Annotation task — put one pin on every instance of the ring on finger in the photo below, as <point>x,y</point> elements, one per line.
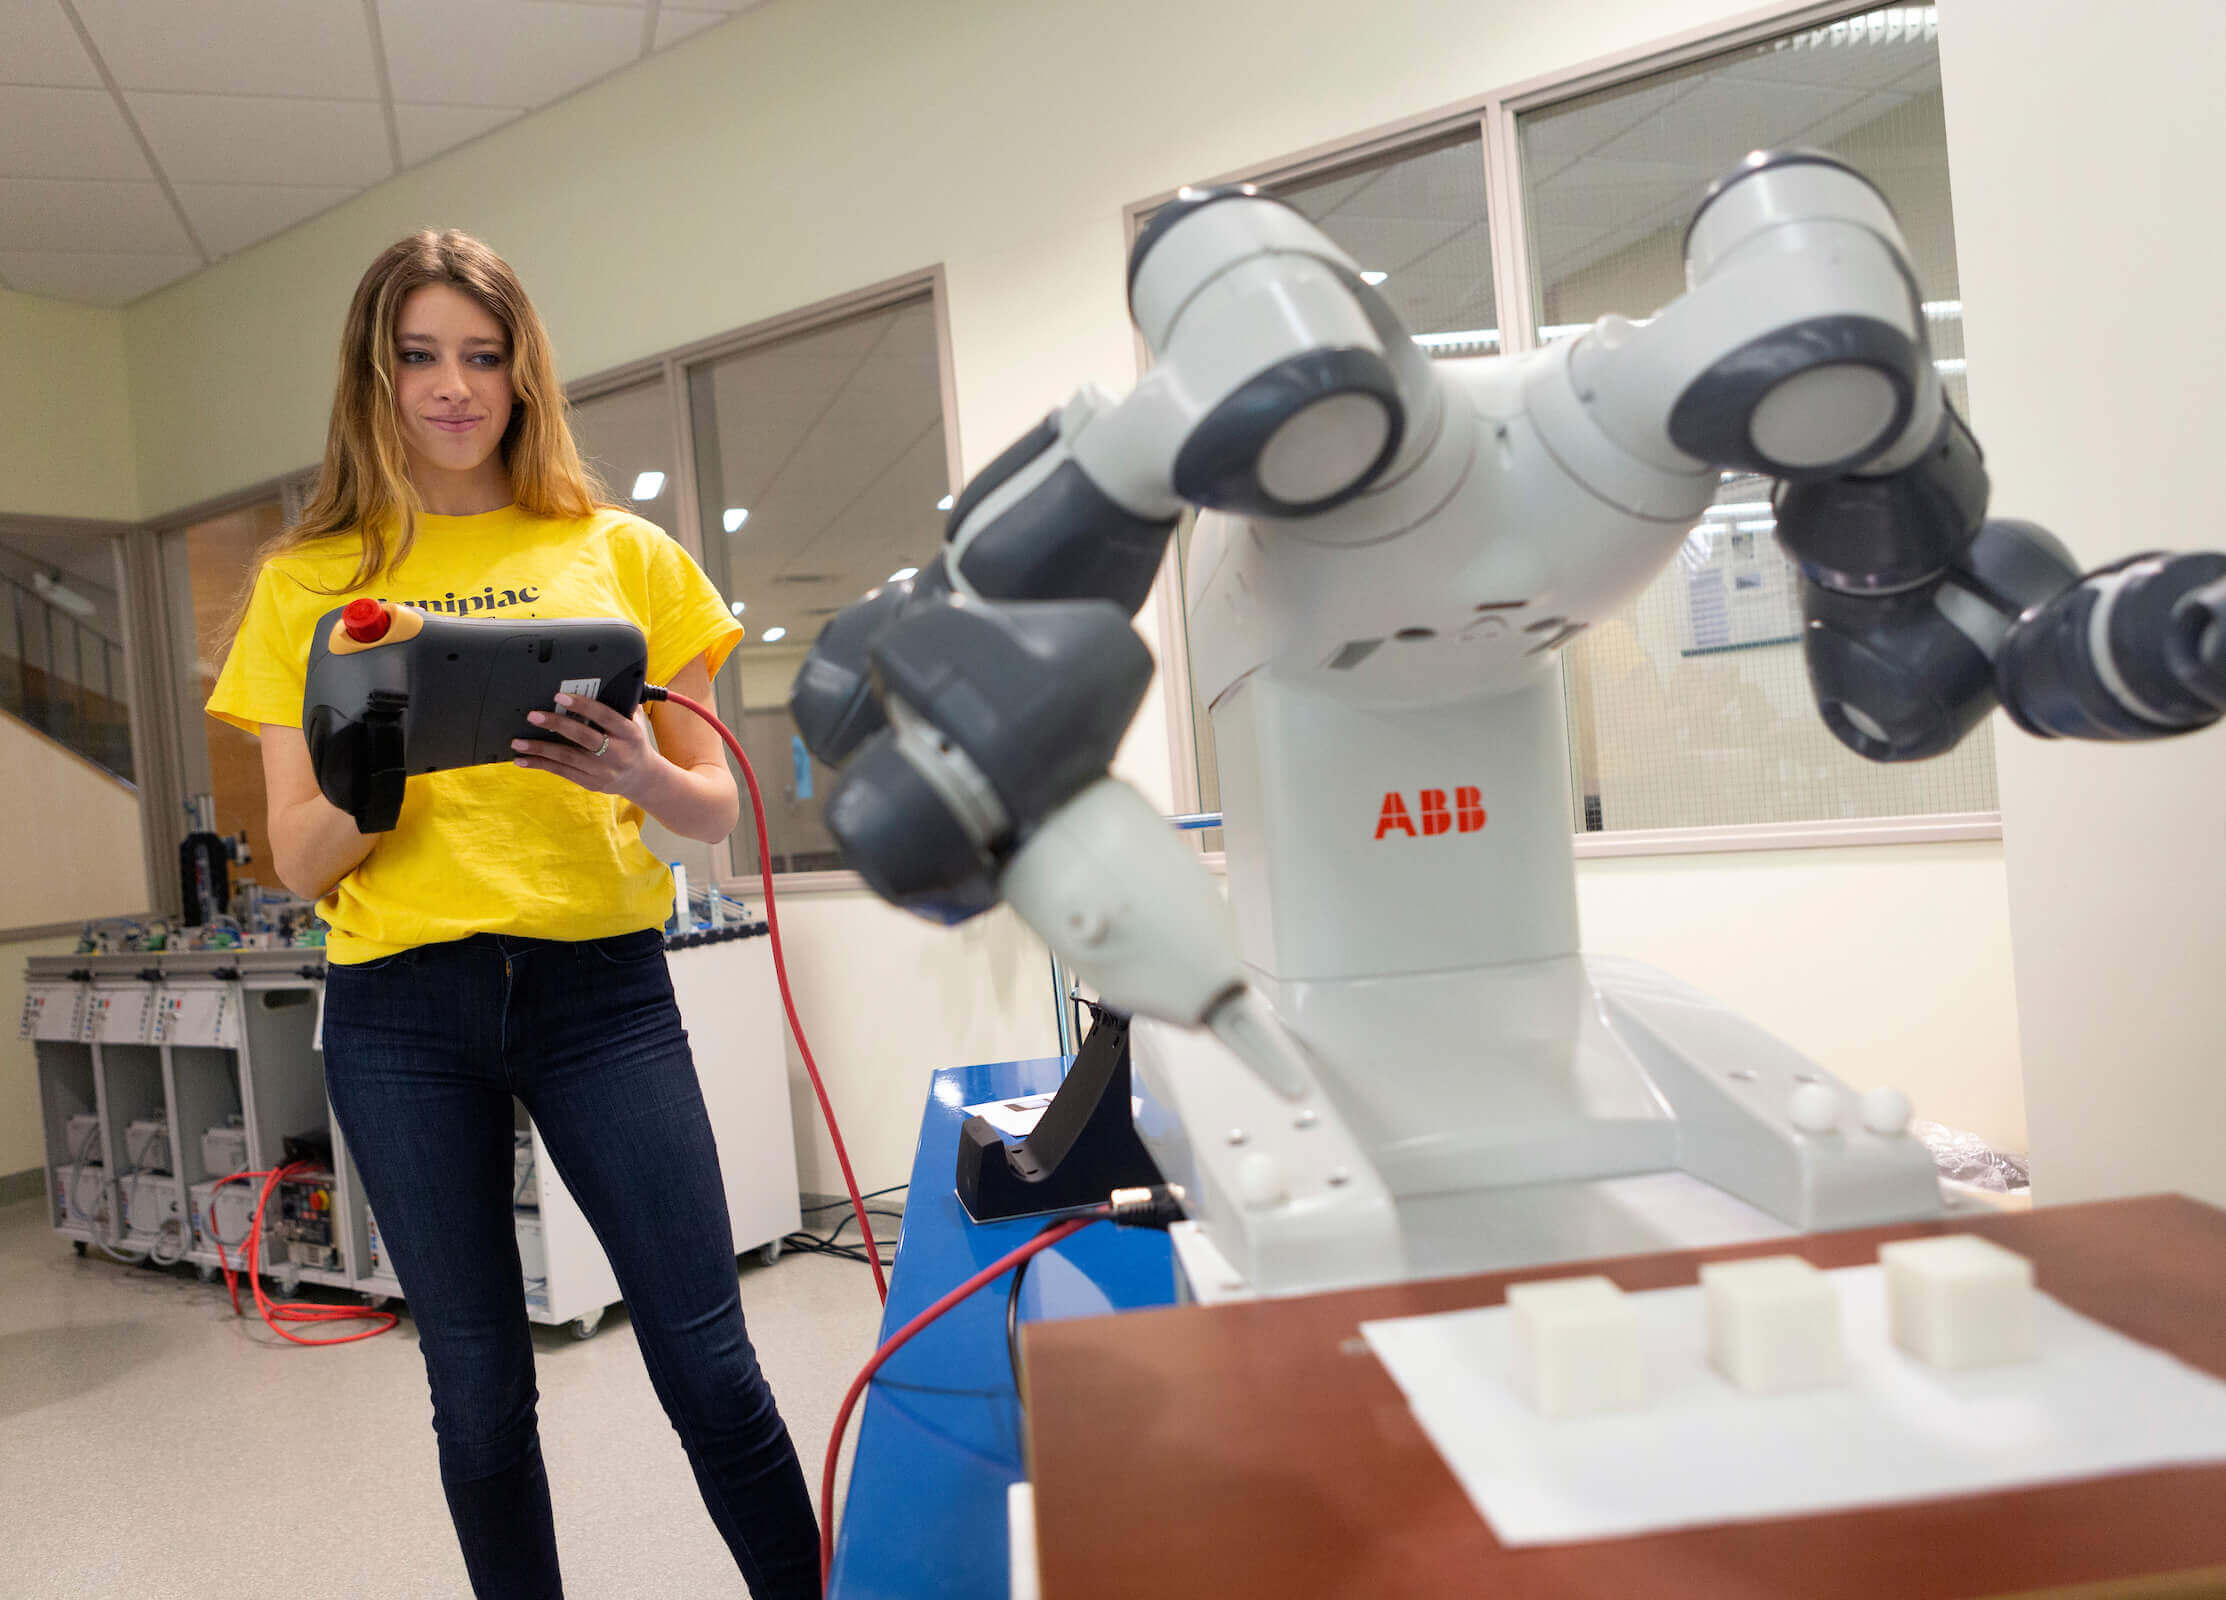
<point>605,745</point>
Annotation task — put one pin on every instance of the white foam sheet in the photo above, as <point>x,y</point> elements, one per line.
<point>1701,1451</point>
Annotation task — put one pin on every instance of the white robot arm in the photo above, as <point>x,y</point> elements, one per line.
<point>979,704</point>
<point>1800,353</point>
<point>1402,549</point>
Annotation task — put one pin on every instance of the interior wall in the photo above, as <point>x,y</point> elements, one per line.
<point>810,148</point>
<point>69,841</point>
<point>1888,965</point>
<point>836,162</point>
<point>2084,150</point>
<point>65,416</point>
<point>888,1000</point>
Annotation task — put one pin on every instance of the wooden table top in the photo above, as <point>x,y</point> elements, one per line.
<point>1260,1449</point>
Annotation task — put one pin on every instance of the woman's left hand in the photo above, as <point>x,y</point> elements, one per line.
<point>605,752</point>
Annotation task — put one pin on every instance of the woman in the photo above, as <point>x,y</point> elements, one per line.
<point>503,938</point>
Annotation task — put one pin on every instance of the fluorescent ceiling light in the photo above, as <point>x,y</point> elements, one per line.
<point>1742,508</point>
<point>1373,277</point>
<point>1763,525</point>
<point>738,608</point>
<point>735,517</point>
<point>55,593</point>
<point>943,504</point>
<point>1463,338</point>
<point>774,635</point>
<point>649,486</point>
<point>903,573</point>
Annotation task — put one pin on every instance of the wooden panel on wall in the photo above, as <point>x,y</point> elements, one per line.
<point>220,553</point>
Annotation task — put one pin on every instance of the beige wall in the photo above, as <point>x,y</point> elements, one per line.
<point>2086,155</point>
<point>65,421</point>
<point>69,839</point>
<point>22,1139</point>
<point>783,158</point>
<point>887,1000</point>
<point>817,145</point>
<point>1887,964</point>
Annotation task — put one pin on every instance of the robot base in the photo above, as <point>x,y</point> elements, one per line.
<point>1543,1111</point>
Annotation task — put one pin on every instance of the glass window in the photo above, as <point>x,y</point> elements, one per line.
<point>822,470</point>
<point>1693,707</point>
<point>1419,218</point>
<point>626,438</point>
<point>61,643</point>
<point>629,439</point>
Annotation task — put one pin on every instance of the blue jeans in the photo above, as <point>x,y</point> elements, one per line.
<point>423,1051</point>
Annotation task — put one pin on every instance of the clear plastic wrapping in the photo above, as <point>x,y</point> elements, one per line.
<point>1967,1158</point>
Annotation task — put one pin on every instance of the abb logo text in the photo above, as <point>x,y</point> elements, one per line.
<point>1464,815</point>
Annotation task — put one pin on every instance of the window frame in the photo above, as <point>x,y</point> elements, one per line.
<point>672,367</point>
<point>1495,114</point>
<point>160,699</point>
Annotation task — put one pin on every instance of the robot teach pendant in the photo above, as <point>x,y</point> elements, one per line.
<point>393,693</point>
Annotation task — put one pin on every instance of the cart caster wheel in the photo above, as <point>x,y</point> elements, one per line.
<point>207,1272</point>
<point>769,1252</point>
<point>78,1245</point>
<point>374,1302</point>
<point>584,1327</point>
<point>289,1282</point>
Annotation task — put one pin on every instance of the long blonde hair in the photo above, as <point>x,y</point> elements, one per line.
<point>364,488</point>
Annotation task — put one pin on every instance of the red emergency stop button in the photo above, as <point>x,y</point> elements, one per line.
<point>366,620</point>
<point>320,1201</point>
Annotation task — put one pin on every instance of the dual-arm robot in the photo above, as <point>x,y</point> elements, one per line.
<point>1401,1061</point>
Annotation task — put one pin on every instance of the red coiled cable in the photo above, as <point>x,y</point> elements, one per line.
<point>277,1313</point>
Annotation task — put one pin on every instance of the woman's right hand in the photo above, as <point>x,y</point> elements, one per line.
<point>314,844</point>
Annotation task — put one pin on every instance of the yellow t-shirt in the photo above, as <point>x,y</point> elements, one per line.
<point>493,849</point>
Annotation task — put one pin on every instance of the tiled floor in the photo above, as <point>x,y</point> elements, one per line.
<point>152,1444</point>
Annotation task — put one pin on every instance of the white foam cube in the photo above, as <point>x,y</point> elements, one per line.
<point>1773,1323</point>
<point>1959,1301</point>
<point>1576,1346</point>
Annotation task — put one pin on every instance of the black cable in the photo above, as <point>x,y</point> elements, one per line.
<point>830,1205</point>
<point>1012,1314</point>
<point>813,1245</point>
<point>1012,1329</point>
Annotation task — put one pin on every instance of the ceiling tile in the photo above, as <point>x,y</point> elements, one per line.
<point>1722,119</point>
<point>1864,65</point>
<point>503,52</point>
<point>38,45</point>
<point>231,216</point>
<point>99,280</point>
<point>1554,138</point>
<point>258,47</point>
<point>428,130</point>
<point>38,214</point>
<point>66,133</point>
<point>675,24</point>
<point>207,138</point>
